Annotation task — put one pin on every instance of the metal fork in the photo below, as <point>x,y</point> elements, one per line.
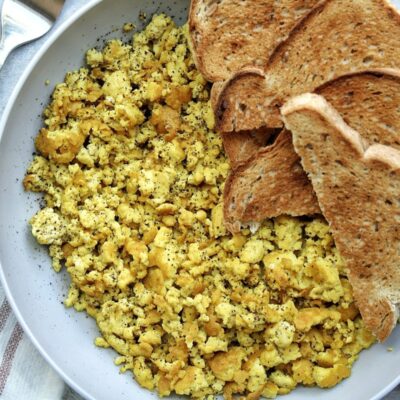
<point>25,20</point>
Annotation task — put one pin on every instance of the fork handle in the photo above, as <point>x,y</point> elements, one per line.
<point>9,41</point>
<point>6,47</point>
<point>11,35</point>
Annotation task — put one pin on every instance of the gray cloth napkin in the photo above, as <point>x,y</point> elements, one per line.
<point>24,374</point>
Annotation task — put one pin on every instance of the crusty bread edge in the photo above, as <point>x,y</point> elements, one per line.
<point>385,154</point>
<point>316,103</point>
<point>192,45</point>
<point>391,73</point>
<point>219,98</point>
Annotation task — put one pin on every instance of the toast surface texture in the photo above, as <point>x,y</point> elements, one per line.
<point>337,37</point>
<point>240,146</point>
<point>268,185</point>
<point>227,35</point>
<point>358,187</point>
<point>368,101</point>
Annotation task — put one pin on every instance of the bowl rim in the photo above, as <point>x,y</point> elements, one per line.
<point>51,39</point>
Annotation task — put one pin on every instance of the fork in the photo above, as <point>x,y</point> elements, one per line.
<point>25,20</point>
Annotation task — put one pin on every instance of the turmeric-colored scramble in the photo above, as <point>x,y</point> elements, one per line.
<point>133,176</point>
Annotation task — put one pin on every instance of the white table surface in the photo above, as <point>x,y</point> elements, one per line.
<point>15,65</point>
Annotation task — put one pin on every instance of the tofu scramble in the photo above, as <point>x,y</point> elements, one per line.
<point>132,175</point>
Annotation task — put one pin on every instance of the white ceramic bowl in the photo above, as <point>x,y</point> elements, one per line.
<point>35,291</point>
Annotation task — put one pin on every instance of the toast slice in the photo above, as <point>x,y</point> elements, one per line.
<point>366,100</point>
<point>227,35</point>
<point>240,146</point>
<point>335,38</point>
<point>358,188</point>
<point>271,184</point>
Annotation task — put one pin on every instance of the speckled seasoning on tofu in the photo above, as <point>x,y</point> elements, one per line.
<point>132,174</point>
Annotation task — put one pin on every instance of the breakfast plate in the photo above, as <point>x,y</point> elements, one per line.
<point>36,293</point>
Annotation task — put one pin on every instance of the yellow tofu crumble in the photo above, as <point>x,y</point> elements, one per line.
<point>133,174</point>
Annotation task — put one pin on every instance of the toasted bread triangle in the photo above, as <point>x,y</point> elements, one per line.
<point>335,38</point>
<point>358,189</point>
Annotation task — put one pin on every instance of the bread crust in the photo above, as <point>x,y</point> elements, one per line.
<point>357,182</point>
<point>357,35</point>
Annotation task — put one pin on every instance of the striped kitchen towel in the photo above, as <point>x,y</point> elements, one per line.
<point>24,374</point>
